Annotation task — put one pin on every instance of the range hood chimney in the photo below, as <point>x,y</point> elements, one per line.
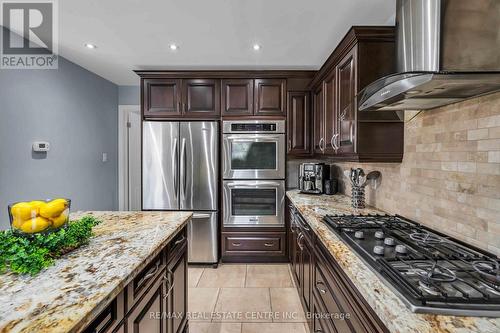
<point>447,51</point>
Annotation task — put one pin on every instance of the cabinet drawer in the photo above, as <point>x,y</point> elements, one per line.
<point>176,244</point>
<point>144,279</point>
<point>254,242</point>
<point>109,318</point>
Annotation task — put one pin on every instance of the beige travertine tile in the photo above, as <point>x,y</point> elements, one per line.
<point>268,276</point>
<point>286,303</point>
<point>224,276</point>
<point>477,134</point>
<point>201,303</point>
<point>194,274</point>
<point>273,328</point>
<point>200,327</point>
<point>243,305</point>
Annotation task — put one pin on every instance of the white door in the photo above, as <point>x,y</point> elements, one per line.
<point>129,167</point>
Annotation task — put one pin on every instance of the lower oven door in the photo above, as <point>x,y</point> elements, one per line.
<point>254,202</point>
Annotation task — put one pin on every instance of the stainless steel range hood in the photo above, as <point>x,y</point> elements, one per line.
<point>447,51</point>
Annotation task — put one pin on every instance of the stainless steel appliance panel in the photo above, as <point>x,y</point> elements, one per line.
<point>254,202</point>
<point>198,165</point>
<point>418,35</point>
<point>160,171</point>
<point>202,238</point>
<point>254,156</point>
<point>259,126</point>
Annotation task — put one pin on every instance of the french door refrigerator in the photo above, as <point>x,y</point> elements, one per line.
<point>180,172</point>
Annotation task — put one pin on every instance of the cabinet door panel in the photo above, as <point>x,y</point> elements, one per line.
<point>201,98</point>
<point>237,97</point>
<point>299,123</point>
<point>146,317</point>
<point>161,98</point>
<point>346,102</point>
<point>329,87</point>
<point>319,117</point>
<point>177,298</point>
<point>269,97</point>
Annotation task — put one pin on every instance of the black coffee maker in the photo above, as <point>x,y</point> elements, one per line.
<point>312,177</point>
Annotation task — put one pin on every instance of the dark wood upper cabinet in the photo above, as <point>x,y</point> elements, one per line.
<point>346,103</point>
<point>269,97</point>
<point>299,123</point>
<point>201,98</point>
<point>319,128</point>
<point>237,97</point>
<point>340,131</point>
<point>329,114</point>
<point>161,98</point>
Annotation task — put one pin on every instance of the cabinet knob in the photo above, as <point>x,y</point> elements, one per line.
<point>236,244</point>
<point>268,244</point>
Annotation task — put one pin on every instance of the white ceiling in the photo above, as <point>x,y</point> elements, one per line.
<point>211,34</point>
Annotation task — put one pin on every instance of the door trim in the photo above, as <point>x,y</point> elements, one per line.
<point>123,169</point>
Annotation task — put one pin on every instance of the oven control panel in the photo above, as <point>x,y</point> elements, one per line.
<point>254,126</point>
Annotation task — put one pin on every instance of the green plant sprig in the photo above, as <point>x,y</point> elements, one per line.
<point>22,255</point>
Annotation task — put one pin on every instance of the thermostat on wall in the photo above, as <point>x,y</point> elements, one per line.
<point>41,146</point>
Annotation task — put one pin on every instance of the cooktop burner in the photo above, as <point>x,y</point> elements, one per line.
<point>431,272</point>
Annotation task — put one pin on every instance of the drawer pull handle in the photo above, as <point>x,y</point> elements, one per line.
<point>180,240</point>
<point>236,244</point>
<point>152,272</point>
<point>321,290</point>
<point>269,244</point>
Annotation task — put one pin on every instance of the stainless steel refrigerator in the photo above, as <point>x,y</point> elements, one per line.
<point>180,172</point>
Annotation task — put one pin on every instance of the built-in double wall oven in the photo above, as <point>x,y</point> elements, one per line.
<point>254,172</point>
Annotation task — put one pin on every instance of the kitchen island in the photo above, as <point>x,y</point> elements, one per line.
<point>371,290</point>
<point>135,260</point>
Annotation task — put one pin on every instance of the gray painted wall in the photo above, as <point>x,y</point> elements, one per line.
<point>129,95</point>
<point>74,110</point>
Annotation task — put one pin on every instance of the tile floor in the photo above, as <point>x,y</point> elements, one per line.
<point>234,298</point>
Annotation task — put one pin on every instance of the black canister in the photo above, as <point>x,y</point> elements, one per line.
<point>331,186</point>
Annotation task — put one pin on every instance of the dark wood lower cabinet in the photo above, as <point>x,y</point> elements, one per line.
<point>155,301</point>
<point>256,245</point>
<point>327,294</point>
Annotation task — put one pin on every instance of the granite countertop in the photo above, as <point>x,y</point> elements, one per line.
<point>70,294</point>
<point>391,310</point>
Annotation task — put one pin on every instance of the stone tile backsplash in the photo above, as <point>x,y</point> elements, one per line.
<point>450,175</point>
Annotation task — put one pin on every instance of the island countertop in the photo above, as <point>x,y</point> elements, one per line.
<point>70,294</point>
<point>390,309</point>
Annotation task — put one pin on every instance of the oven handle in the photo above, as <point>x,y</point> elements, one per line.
<point>261,137</point>
<point>259,185</point>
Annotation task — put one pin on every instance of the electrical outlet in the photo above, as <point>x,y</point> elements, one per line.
<point>104,157</point>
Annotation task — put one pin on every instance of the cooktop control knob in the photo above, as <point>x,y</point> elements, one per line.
<point>359,234</point>
<point>379,234</point>
<point>389,241</point>
<point>401,249</point>
<point>378,250</point>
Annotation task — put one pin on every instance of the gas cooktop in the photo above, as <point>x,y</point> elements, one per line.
<point>430,272</point>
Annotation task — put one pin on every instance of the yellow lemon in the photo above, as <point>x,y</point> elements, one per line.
<point>17,223</point>
<point>53,208</point>
<point>59,220</point>
<point>36,205</point>
<point>60,200</point>
<point>35,225</point>
<point>22,211</point>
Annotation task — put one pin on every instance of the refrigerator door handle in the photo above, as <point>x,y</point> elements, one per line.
<point>175,159</point>
<point>183,169</point>
<point>201,216</point>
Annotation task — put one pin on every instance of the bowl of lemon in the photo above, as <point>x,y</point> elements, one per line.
<point>33,217</point>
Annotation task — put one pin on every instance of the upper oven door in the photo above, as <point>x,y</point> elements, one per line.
<point>254,202</point>
<point>254,156</point>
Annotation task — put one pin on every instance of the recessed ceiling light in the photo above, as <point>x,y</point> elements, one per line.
<point>173,47</point>
<point>90,46</point>
<point>256,47</point>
